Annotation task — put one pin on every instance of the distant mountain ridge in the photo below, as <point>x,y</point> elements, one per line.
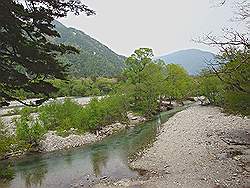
<point>193,60</point>
<point>95,59</point>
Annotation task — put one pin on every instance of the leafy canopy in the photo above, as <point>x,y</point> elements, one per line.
<point>146,80</point>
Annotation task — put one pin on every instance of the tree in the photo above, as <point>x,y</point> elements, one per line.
<point>143,84</point>
<point>211,87</point>
<point>177,84</point>
<point>151,87</point>
<point>233,62</point>
<point>242,8</point>
<point>136,64</point>
<point>28,57</point>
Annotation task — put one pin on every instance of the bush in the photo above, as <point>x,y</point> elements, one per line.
<point>59,116</point>
<point>29,131</point>
<point>27,110</point>
<point>5,141</point>
<point>103,112</point>
<point>222,93</point>
<point>237,103</point>
<point>63,116</point>
<point>5,145</point>
<point>211,87</point>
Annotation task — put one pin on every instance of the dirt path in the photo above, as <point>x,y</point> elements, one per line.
<point>198,147</point>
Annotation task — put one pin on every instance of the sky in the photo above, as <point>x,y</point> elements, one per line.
<point>163,25</point>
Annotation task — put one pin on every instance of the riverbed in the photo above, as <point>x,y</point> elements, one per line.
<point>88,165</point>
<point>198,147</point>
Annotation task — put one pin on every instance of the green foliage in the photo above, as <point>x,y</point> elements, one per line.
<point>5,140</point>
<point>95,91</point>
<point>149,89</point>
<point>26,111</point>
<point>231,91</point>
<point>5,144</point>
<point>72,87</point>
<point>235,75</point>
<point>105,85</point>
<point>29,131</point>
<point>236,72</point>
<point>178,84</point>
<point>227,84</point>
<point>103,112</point>
<point>84,87</point>
<point>76,87</point>
<point>237,102</point>
<point>63,116</point>
<point>28,55</point>
<point>211,87</point>
<point>94,59</point>
<point>143,79</point>
<point>136,64</point>
<point>147,80</point>
<point>59,115</point>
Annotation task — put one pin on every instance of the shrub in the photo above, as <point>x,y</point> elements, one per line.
<point>63,116</point>
<point>83,87</point>
<point>5,144</point>
<point>237,103</point>
<point>59,116</point>
<point>27,110</point>
<point>5,141</point>
<point>29,131</point>
<point>211,87</point>
<point>103,112</point>
<point>115,108</point>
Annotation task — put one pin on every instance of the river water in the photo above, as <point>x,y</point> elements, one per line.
<point>107,159</point>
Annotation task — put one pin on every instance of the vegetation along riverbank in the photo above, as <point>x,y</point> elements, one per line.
<point>146,88</point>
<point>74,113</point>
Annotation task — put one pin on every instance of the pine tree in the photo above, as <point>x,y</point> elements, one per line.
<point>28,56</point>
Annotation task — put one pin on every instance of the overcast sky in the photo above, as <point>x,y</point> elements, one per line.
<point>163,25</point>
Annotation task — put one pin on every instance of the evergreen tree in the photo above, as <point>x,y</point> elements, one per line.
<point>28,57</point>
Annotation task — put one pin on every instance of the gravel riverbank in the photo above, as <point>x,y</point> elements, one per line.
<point>52,141</point>
<point>198,147</point>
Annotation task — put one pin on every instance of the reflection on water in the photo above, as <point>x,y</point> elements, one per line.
<point>99,160</point>
<point>106,158</point>
<point>34,176</point>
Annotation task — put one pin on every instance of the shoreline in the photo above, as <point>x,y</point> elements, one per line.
<point>53,142</point>
<point>197,147</point>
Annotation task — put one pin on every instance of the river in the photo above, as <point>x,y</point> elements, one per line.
<point>107,159</point>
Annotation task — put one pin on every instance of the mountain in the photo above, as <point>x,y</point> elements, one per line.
<point>95,59</point>
<point>193,60</point>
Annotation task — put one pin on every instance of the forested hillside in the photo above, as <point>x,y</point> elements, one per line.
<point>95,59</point>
